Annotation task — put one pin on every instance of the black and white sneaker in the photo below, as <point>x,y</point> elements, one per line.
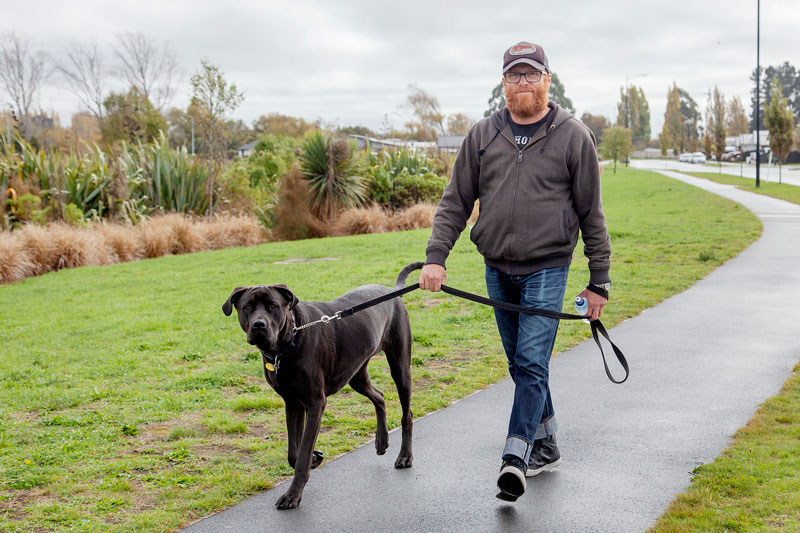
<point>544,456</point>
<point>511,480</point>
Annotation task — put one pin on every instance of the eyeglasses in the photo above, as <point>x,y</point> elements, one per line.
<point>532,76</point>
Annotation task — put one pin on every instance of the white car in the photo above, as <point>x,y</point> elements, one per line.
<point>698,157</point>
<point>685,157</point>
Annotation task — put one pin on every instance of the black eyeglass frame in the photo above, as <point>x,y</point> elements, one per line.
<point>537,74</point>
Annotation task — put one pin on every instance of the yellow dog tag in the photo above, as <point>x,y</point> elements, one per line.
<point>270,367</point>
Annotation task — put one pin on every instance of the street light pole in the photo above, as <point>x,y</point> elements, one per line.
<point>758,93</point>
<point>192,117</point>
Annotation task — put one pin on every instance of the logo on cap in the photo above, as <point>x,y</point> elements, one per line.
<point>522,48</point>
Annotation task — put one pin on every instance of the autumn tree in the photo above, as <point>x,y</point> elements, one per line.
<point>717,130</point>
<point>424,107</point>
<point>673,134</point>
<point>596,123</point>
<point>213,100</point>
<point>85,75</point>
<point>617,144</point>
<point>692,116</point>
<point>633,112</point>
<point>143,65</point>
<point>277,124</point>
<point>458,124</point>
<point>779,121</point>
<point>736,121</point>
<point>23,72</point>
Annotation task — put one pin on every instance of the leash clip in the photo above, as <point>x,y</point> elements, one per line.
<point>325,318</point>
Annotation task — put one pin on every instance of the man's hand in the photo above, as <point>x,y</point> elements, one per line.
<point>595,302</point>
<point>432,277</point>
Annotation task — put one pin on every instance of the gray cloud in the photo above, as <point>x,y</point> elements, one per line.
<point>350,62</point>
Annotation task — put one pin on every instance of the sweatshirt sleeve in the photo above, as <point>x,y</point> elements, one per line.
<point>456,204</point>
<point>587,196</point>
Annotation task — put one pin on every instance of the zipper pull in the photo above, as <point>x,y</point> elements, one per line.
<point>519,158</point>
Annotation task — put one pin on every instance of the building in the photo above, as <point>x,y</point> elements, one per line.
<point>246,150</point>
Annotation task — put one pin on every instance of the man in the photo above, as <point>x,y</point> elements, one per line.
<point>534,168</point>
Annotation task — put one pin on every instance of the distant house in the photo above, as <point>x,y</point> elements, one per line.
<point>746,142</point>
<point>246,149</point>
<point>449,143</point>
<point>376,145</point>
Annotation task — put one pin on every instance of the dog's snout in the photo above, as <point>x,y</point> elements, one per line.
<point>258,324</point>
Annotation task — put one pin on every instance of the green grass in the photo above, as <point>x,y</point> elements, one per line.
<point>129,402</point>
<point>754,484</point>
<point>782,191</point>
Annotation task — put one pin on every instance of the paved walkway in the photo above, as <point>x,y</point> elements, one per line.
<point>769,173</point>
<point>701,363</point>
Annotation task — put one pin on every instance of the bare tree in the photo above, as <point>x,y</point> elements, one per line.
<point>23,71</point>
<point>85,75</point>
<point>142,65</point>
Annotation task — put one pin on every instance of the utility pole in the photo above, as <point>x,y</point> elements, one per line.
<point>758,93</point>
<point>192,117</point>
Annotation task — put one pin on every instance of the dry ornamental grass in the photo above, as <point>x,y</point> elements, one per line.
<point>34,250</point>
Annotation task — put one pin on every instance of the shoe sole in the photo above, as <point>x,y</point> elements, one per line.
<point>546,468</point>
<point>511,483</point>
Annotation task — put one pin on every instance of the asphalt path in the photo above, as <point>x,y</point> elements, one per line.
<point>701,363</point>
<point>769,173</point>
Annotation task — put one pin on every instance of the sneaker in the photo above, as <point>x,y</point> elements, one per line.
<point>544,456</point>
<point>511,480</point>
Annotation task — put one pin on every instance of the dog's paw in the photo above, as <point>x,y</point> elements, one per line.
<point>381,446</point>
<point>288,501</point>
<point>317,458</point>
<point>403,461</point>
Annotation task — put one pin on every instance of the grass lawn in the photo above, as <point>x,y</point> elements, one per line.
<point>754,485</point>
<point>129,402</point>
<point>782,191</point>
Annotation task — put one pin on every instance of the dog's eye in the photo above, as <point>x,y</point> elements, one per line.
<point>272,307</point>
<point>248,307</point>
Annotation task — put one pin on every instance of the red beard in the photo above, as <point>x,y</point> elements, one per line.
<point>526,105</point>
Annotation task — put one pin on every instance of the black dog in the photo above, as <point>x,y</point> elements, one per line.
<point>305,366</point>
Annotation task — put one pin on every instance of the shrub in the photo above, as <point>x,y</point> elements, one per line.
<point>333,175</point>
<point>123,241</point>
<point>226,232</point>
<point>410,189</point>
<point>293,219</point>
<point>360,221</point>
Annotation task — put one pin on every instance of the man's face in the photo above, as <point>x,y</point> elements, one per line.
<point>526,99</point>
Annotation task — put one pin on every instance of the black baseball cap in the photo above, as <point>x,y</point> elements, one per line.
<point>525,52</point>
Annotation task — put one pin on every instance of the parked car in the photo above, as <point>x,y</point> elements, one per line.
<point>698,157</point>
<point>751,157</point>
<point>685,157</point>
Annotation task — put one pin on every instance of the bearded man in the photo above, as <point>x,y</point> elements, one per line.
<point>534,168</point>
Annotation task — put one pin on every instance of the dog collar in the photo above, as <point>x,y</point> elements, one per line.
<point>272,361</point>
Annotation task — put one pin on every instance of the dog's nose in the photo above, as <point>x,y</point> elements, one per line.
<point>258,324</point>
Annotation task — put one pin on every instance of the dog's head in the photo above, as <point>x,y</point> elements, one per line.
<point>264,314</point>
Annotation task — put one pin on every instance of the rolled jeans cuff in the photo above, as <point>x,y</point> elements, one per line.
<point>546,428</point>
<point>518,447</point>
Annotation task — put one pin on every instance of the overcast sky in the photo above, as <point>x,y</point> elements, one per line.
<point>348,62</point>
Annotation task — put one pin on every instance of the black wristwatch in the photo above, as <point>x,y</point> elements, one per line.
<point>600,288</point>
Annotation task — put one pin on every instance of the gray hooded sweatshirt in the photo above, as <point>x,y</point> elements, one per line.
<point>532,201</point>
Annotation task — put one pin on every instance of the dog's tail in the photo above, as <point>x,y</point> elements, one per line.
<point>401,277</point>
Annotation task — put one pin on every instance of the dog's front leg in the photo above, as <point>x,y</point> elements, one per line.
<point>295,416</point>
<point>292,497</point>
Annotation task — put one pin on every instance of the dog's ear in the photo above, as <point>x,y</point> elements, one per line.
<point>288,294</point>
<point>231,301</point>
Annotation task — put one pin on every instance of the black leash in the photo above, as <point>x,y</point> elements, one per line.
<point>596,325</point>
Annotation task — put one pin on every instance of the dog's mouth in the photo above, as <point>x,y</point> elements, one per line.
<point>259,337</point>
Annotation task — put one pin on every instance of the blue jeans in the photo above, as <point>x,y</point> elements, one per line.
<point>528,342</point>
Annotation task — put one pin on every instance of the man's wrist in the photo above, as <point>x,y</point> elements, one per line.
<point>600,289</point>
